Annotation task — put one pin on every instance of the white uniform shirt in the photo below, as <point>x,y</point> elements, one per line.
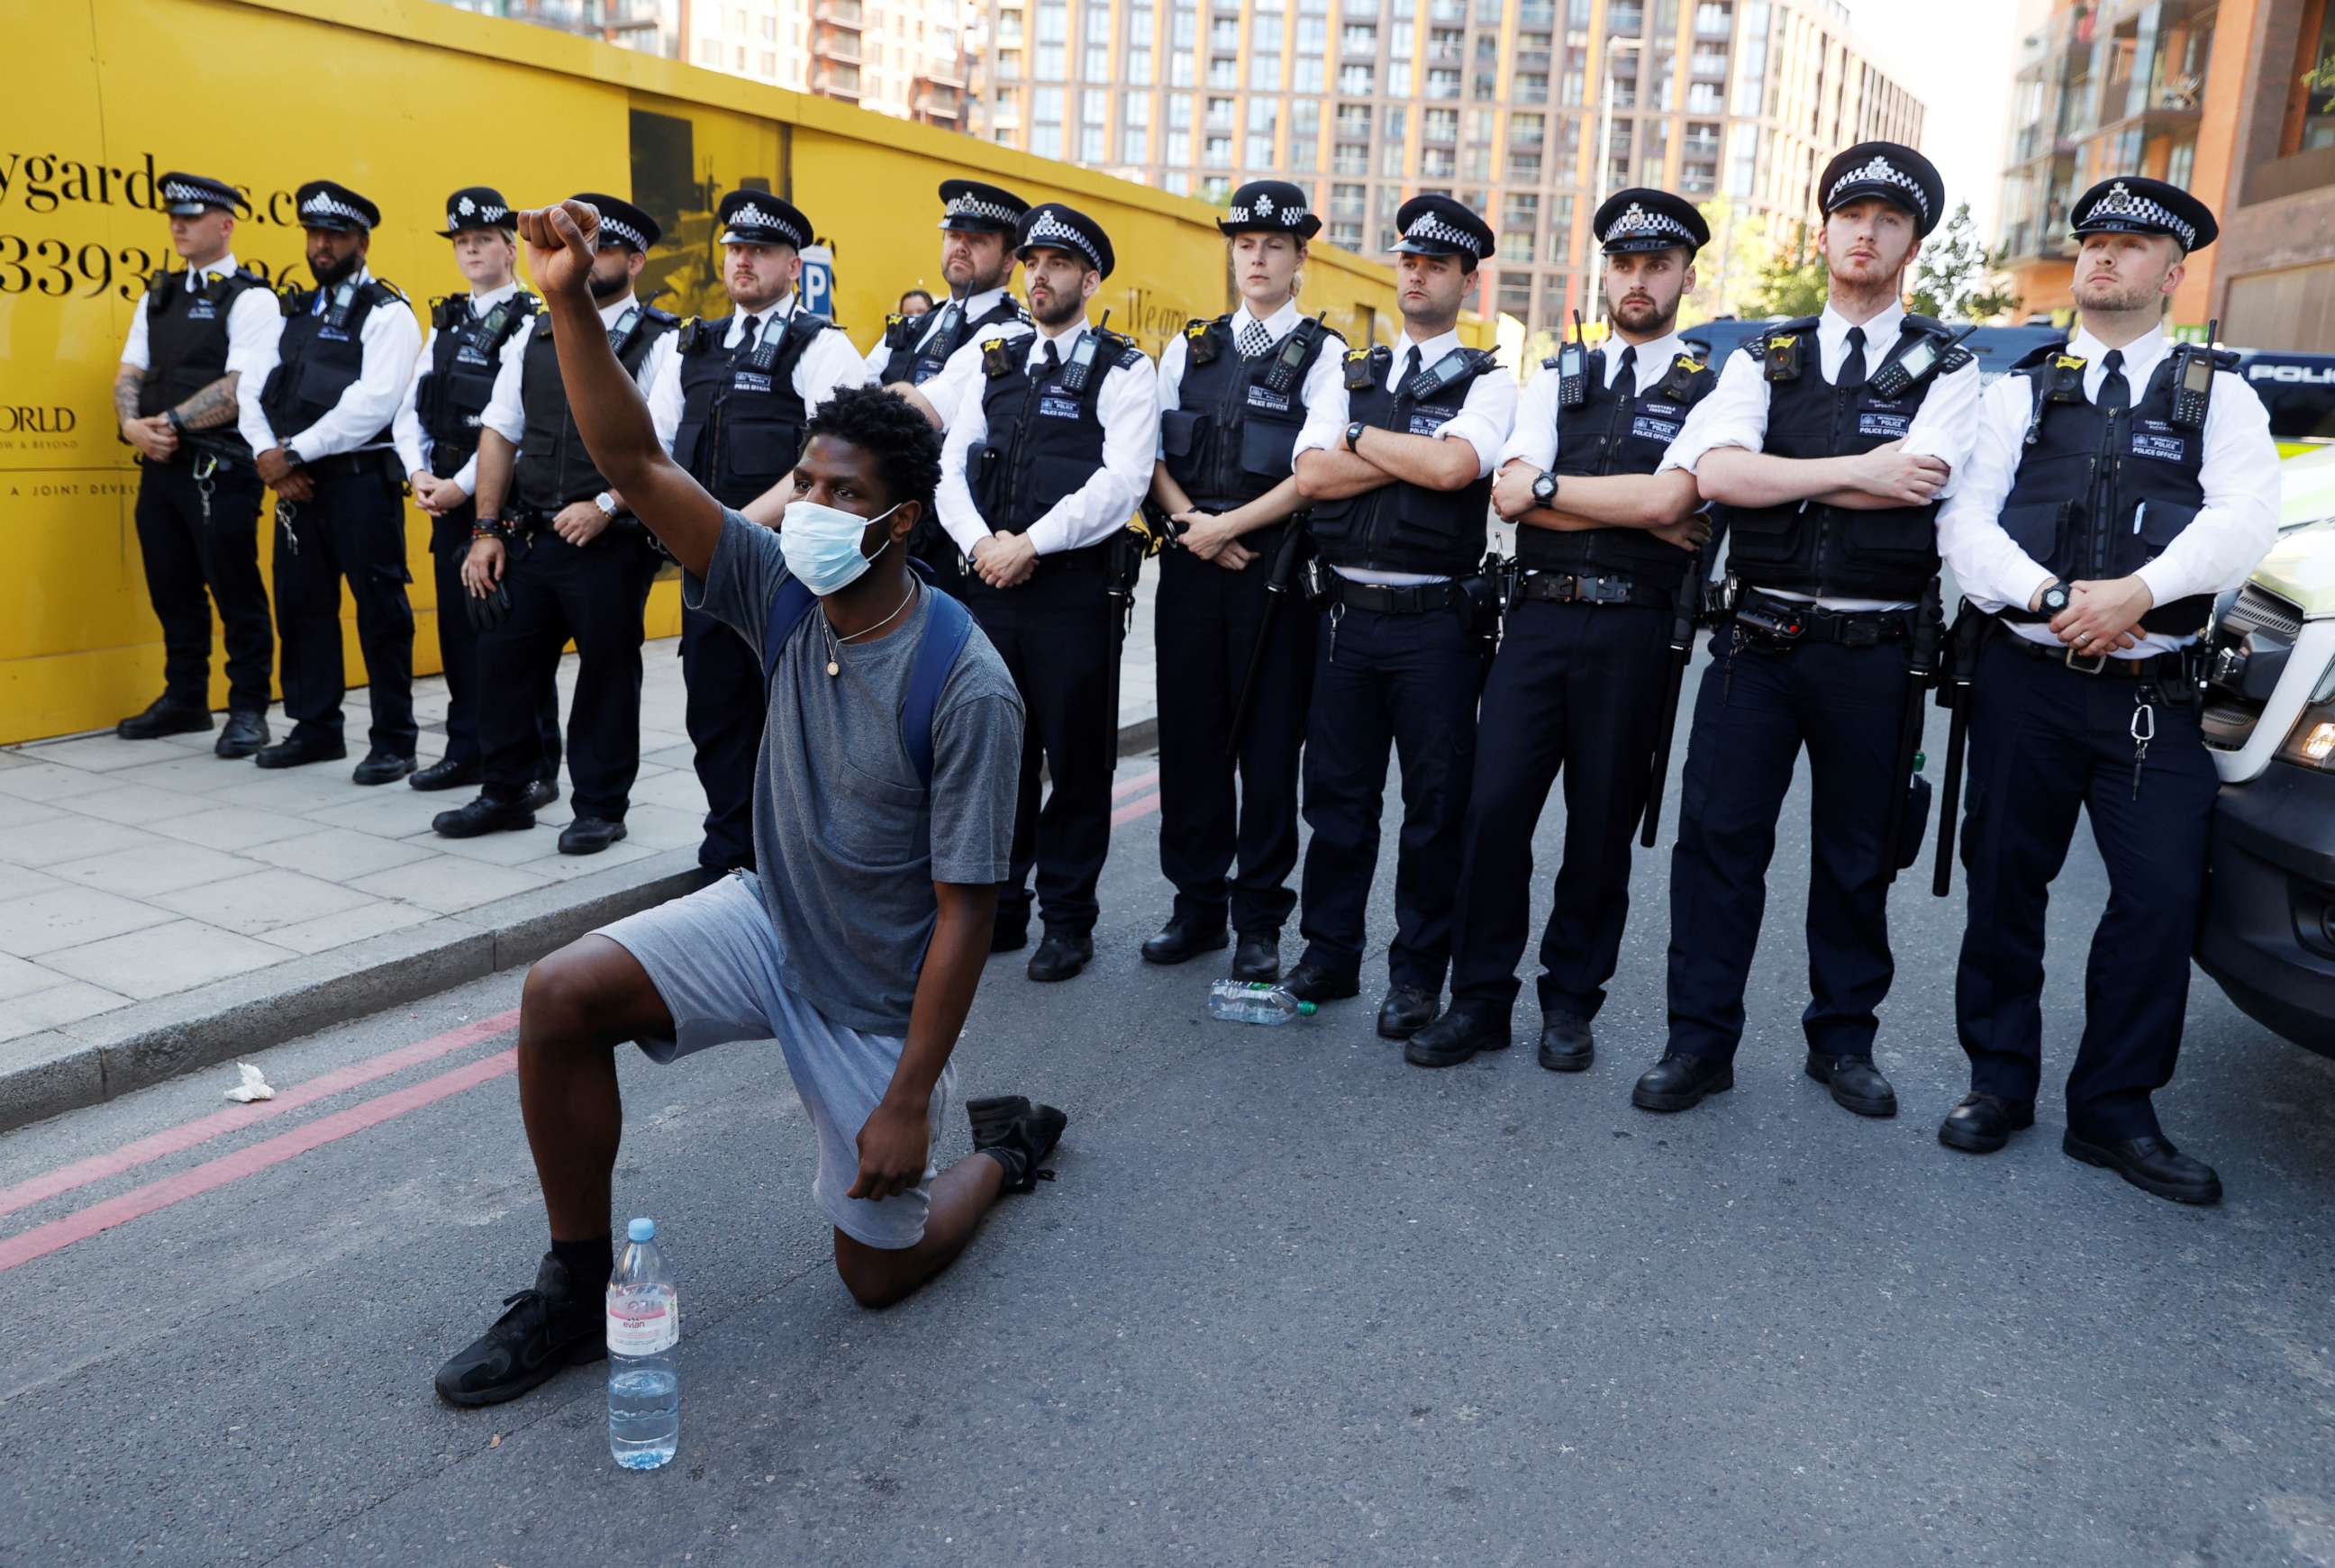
<point>972,309</point>
<point>829,361</point>
<point>1484,422</point>
<point>961,373</point>
<point>1535,438</point>
<point>1735,414</point>
<point>1127,406</point>
<point>506,415</point>
<point>2220,546</point>
<point>1325,378</point>
<point>391,342</point>
<point>253,322</point>
<point>413,441</point>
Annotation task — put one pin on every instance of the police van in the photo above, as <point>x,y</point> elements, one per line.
<point>2269,932</point>
<point>2298,390</point>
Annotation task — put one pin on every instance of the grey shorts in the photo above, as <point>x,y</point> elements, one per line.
<point>713,957</point>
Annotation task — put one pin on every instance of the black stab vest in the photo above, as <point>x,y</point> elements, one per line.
<point>554,470</point>
<point>742,419</point>
<point>1402,527</point>
<point>2100,495</point>
<point>1807,547</point>
<point>186,350</point>
<point>463,359</point>
<point>1615,430</point>
<point>320,357</point>
<point>1044,441</point>
<point>1231,435</point>
<point>908,361</point>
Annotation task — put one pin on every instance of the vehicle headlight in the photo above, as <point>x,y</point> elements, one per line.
<point>2311,743</point>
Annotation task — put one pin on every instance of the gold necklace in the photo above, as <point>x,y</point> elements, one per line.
<point>835,643</point>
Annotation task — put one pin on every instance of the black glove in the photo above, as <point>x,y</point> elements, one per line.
<point>487,613</point>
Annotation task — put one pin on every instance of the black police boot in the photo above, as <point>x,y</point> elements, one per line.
<point>1457,1036</point>
<point>1010,933</point>
<point>164,716</point>
<point>1310,982</point>
<point>1984,1123</point>
<point>1855,1083</point>
<point>1062,955</point>
<point>1678,1081</point>
<point>446,774</point>
<point>383,768</point>
<point>244,733</point>
<point>2151,1164</point>
<point>1566,1043</point>
<point>1258,957</point>
<point>1018,1136</point>
<point>542,793</point>
<point>1185,937</point>
<point>588,835</point>
<point>483,815</point>
<point>560,1322</point>
<point>1406,1011</point>
<point>297,750</point>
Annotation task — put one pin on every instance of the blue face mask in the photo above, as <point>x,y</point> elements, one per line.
<point>822,545</point>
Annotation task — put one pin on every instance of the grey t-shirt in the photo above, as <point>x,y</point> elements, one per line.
<point>846,839</point>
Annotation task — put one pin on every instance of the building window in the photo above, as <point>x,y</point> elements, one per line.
<point>1180,148</point>
<point>709,53</point>
<point>1092,144</point>
<point>1218,152</point>
<point>1516,293</point>
<point>1356,81</point>
<point>1179,111</point>
<point>1050,63</point>
<point>1216,189</point>
<point>1309,75</point>
<point>1224,35</point>
<point>1305,135</point>
<point>2311,106</point>
<point>1258,154</point>
<point>1176,182</point>
<point>1263,71</point>
<point>1223,72</point>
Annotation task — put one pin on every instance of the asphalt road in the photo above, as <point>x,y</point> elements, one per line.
<point>1291,1302</point>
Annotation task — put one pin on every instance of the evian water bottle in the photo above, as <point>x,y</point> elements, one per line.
<point>643,1334</point>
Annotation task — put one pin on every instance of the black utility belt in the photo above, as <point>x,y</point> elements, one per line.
<point>342,465</point>
<point>2159,667</point>
<point>1788,622</point>
<point>1396,598</point>
<point>1572,588</point>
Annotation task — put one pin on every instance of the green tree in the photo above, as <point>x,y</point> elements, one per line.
<point>1790,285</point>
<point>1728,272</point>
<point>1954,280</point>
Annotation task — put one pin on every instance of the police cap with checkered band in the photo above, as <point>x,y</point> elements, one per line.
<point>621,221</point>
<point>1643,219</point>
<point>2132,204</point>
<point>476,207</point>
<point>185,195</point>
<point>978,209</point>
<point>1270,207</point>
<point>758,217</point>
<point>1050,226</point>
<point>327,204</point>
<point>1439,226</point>
<point>1890,170</point>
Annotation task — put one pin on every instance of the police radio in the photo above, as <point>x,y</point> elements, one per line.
<point>2192,379</point>
<point>1295,350</point>
<point>1917,363</point>
<point>1573,369</point>
<point>1075,375</point>
<point>1450,368</point>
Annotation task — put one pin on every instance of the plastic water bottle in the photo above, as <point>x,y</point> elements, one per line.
<point>643,1334</point>
<point>1254,1002</point>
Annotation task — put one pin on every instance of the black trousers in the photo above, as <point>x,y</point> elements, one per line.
<point>196,555</point>
<point>2045,741</point>
<point>1756,709</point>
<point>595,597</point>
<point>1059,636</point>
<point>458,651</point>
<point>353,528</point>
<point>726,704</point>
<point>1208,619</point>
<point>1576,691</point>
<point>1381,682</point>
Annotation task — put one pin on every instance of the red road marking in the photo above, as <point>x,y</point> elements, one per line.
<point>83,1224</point>
<point>1135,809</point>
<point>1135,786</point>
<point>203,1129</point>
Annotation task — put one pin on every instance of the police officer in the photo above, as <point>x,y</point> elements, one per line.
<point>730,404</point>
<point>437,438</point>
<point>1047,456</point>
<point>196,337</point>
<point>320,422</point>
<point>1829,472</point>
<point>558,558</point>
<point>1584,660</point>
<point>2117,489</point>
<point>1236,638</point>
<point>1397,464</point>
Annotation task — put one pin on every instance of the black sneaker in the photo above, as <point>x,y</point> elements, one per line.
<point>1017,1135</point>
<point>546,1328</point>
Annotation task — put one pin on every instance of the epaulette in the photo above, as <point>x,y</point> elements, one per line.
<point>2036,358</point>
<point>1954,358</point>
<point>384,291</point>
<point>652,316</point>
<point>1128,351</point>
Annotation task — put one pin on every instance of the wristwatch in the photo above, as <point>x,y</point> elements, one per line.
<point>1543,490</point>
<point>294,458</point>
<point>2054,599</point>
<point>607,505</point>
<point>1355,433</point>
<point>177,422</point>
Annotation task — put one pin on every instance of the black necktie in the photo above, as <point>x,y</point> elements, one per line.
<point>1625,372</point>
<point>1410,368</point>
<point>2116,393</point>
<point>1852,368</point>
<point>1050,364</point>
<point>746,338</point>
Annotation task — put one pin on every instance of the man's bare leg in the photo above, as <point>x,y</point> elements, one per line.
<point>879,1276</point>
<point>579,1004</point>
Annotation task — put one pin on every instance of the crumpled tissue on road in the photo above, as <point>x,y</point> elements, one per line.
<point>253,1087</point>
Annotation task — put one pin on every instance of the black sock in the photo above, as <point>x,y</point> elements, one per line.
<point>588,1263</point>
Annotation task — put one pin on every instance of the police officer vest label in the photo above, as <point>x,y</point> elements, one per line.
<point>321,353</point>
<point>1233,434</point>
<point>1616,429</point>
<point>464,357</point>
<point>1045,437</point>
<point>1402,527</point>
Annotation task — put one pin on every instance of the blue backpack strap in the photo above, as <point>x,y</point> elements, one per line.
<point>945,635</point>
<point>788,606</point>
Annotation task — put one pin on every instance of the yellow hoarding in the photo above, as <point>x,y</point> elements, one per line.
<point>404,101</point>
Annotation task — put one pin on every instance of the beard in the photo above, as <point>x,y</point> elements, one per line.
<point>605,289</point>
<point>1645,315</point>
<point>1060,312</point>
<point>329,272</point>
<point>2113,294</point>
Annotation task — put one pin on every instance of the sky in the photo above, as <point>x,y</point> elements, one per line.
<point>1961,72</point>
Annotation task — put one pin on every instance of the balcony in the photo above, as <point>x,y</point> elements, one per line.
<point>1437,165</point>
<point>1535,15</point>
<point>838,14</point>
<point>1448,13</point>
<point>940,72</point>
<point>837,45</point>
<point>1354,165</point>
<point>842,83</point>
<point>1625,21</point>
